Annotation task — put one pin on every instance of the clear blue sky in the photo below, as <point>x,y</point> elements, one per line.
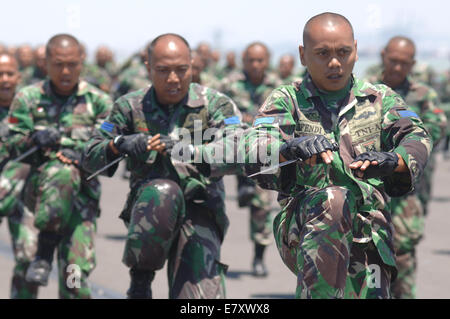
<point>126,25</point>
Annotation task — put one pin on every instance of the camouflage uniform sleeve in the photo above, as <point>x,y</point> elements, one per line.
<point>260,144</point>
<point>97,153</point>
<point>433,117</point>
<point>225,125</point>
<point>21,125</point>
<point>403,132</point>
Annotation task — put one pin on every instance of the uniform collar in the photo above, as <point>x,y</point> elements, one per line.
<point>310,90</point>
<point>267,81</point>
<point>82,88</point>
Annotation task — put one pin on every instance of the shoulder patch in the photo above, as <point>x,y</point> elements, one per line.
<point>108,127</point>
<point>408,114</point>
<point>232,120</point>
<point>264,120</point>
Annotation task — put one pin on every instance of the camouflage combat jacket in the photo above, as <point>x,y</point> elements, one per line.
<point>139,112</point>
<point>371,118</point>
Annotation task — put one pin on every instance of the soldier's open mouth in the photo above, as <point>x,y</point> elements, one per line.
<point>173,91</point>
<point>334,76</point>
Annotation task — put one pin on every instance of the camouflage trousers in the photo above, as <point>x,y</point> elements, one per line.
<point>12,180</point>
<point>314,236</point>
<point>64,203</point>
<point>165,227</point>
<point>424,187</point>
<point>260,212</point>
<point>409,220</point>
<point>21,227</point>
<point>24,242</point>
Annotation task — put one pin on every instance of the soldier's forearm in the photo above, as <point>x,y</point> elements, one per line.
<point>113,148</point>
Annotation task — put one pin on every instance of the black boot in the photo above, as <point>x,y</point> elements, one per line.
<point>259,268</point>
<point>140,286</point>
<point>39,269</point>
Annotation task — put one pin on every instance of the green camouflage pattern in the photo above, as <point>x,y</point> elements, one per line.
<point>58,194</point>
<point>32,76</point>
<point>13,175</point>
<point>135,77</point>
<point>20,222</point>
<point>371,118</point>
<point>24,243</point>
<point>175,210</point>
<point>404,286</point>
<point>249,98</point>
<point>96,76</point>
<point>408,211</point>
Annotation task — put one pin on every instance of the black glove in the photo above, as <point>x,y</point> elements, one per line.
<point>387,163</point>
<point>46,138</point>
<point>71,154</point>
<point>306,146</point>
<point>184,151</point>
<point>170,143</point>
<point>133,145</point>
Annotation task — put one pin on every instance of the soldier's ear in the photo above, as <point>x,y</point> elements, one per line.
<point>301,51</point>
<point>383,52</point>
<point>147,66</point>
<point>356,50</point>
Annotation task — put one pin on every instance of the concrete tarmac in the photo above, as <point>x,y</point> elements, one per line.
<point>110,279</point>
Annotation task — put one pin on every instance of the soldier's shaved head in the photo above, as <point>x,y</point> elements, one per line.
<point>25,56</point>
<point>9,78</point>
<point>398,60</point>
<point>257,45</point>
<point>329,50</point>
<point>62,41</point>
<point>64,60</point>
<point>328,20</point>
<point>256,61</point>
<point>170,67</point>
<point>286,65</point>
<point>402,42</point>
<point>172,40</point>
<point>6,57</point>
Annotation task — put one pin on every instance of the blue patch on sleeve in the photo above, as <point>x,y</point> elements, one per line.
<point>108,127</point>
<point>232,120</point>
<point>264,120</point>
<point>408,114</point>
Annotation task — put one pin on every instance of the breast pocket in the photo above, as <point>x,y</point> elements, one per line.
<point>366,138</point>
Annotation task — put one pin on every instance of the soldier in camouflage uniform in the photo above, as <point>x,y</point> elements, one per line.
<point>175,210</point>
<point>249,89</point>
<point>58,116</point>
<point>408,211</point>
<point>104,60</point>
<point>200,77</point>
<point>286,69</point>
<point>20,221</point>
<point>38,72</point>
<point>134,77</point>
<point>25,58</point>
<point>357,144</point>
<point>444,95</point>
<point>230,65</point>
